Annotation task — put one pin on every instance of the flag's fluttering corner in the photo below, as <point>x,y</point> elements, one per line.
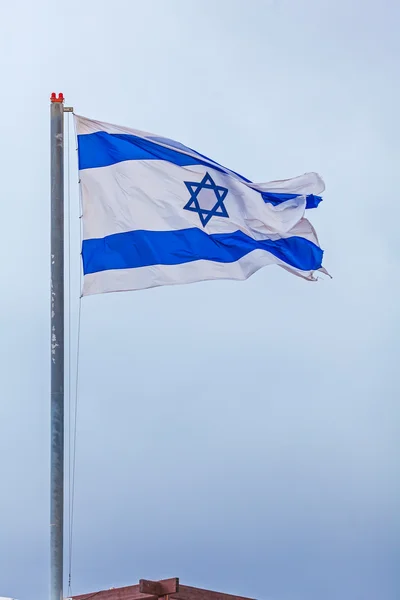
<point>158,213</point>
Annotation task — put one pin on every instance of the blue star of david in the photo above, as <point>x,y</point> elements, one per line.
<point>205,214</point>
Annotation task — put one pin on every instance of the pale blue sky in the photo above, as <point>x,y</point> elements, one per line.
<point>240,436</point>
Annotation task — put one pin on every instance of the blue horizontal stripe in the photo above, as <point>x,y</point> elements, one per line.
<point>102,149</point>
<point>146,248</point>
<point>276,198</point>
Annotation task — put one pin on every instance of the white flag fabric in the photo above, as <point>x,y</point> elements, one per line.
<point>158,213</point>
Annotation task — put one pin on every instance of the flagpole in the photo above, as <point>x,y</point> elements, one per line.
<point>57,347</point>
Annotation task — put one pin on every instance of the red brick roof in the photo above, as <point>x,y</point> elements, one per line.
<point>132,593</point>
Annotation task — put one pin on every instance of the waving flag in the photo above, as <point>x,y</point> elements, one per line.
<point>158,213</point>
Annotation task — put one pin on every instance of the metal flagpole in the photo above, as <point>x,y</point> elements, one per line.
<point>57,347</point>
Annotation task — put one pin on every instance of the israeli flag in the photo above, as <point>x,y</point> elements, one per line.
<point>158,213</point>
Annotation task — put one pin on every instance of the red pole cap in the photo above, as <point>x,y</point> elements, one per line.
<point>54,98</point>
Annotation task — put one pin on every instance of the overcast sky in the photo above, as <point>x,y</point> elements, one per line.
<point>242,436</point>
